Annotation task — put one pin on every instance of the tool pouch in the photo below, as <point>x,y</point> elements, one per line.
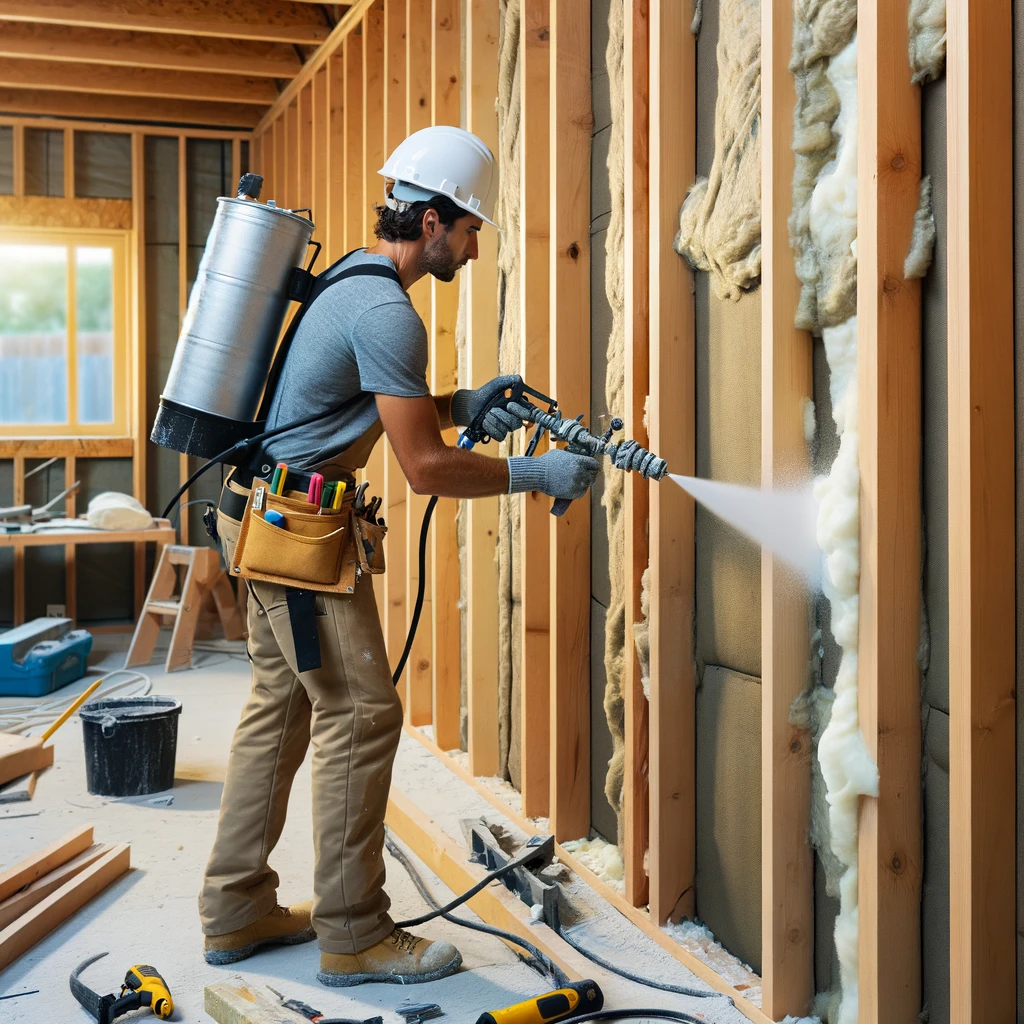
<point>369,544</point>
<point>312,549</point>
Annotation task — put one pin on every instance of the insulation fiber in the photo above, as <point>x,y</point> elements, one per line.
<point>927,23</point>
<point>720,222</point>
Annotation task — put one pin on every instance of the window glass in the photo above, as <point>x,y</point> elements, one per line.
<point>94,340</point>
<point>6,160</point>
<point>33,334</point>
<point>44,162</point>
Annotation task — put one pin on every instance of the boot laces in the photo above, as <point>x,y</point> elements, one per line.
<point>405,940</point>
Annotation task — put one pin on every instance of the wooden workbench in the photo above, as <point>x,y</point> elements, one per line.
<point>161,532</point>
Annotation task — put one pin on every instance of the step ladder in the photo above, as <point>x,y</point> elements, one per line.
<point>203,575</point>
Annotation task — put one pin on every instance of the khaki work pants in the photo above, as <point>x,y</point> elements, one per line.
<point>350,710</point>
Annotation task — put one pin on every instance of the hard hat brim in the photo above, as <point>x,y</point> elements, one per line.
<point>406,193</point>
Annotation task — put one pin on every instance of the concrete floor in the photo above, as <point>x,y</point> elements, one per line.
<point>150,914</point>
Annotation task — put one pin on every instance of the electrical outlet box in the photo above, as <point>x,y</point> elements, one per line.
<point>55,611</point>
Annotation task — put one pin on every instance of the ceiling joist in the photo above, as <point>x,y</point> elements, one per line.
<point>52,103</point>
<point>275,20</point>
<point>114,81</point>
<point>148,50</point>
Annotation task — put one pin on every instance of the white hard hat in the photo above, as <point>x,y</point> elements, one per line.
<point>446,161</point>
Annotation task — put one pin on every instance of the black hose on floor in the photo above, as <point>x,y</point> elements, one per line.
<point>539,959</point>
<point>635,1015</point>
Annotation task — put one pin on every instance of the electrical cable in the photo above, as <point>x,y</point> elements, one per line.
<point>635,1015</point>
<point>539,960</point>
<point>420,590</point>
<point>195,501</point>
<point>678,990</point>
<point>471,892</point>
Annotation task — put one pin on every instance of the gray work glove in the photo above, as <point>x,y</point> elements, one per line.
<point>557,473</point>
<point>467,405</point>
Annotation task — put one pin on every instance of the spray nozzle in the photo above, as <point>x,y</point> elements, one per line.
<point>250,186</point>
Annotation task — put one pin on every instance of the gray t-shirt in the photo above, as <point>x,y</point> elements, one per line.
<point>359,339</point>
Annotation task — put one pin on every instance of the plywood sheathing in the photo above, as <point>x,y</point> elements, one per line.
<point>720,221</point>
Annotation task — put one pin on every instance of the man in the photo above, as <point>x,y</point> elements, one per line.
<point>361,347</point>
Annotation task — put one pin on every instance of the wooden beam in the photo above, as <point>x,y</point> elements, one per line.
<point>183,463</point>
<point>69,163</point>
<point>443,687</point>
<point>148,50</point>
<point>291,155</point>
<point>55,212</point>
<point>304,149</point>
<point>890,843</point>
<point>571,123</point>
<point>70,565</point>
<point>268,20</point>
<point>481,70</point>
<point>636,494</point>
<point>139,414</point>
<point>672,434</point>
<point>787,868</point>
<point>37,923</point>
<point>334,215</point>
<point>60,447</point>
<point>351,22</point>
<point>120,127</point>
<point>280,177</point>
<point>121,81</point>
<point>981,510</point>
<point>353,106</point>
<point>320,158</point>
<point>58,104</point>
<point>37,864</point>
<point>535,260</point>
<point>18,158</point>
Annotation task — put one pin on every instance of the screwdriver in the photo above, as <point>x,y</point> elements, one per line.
<point>575,998</point>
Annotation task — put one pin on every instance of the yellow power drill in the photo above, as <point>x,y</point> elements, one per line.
<point>143,986</point>
<point>576,997</point>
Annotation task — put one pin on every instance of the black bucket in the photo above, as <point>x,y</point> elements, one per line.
<point>130,744</point>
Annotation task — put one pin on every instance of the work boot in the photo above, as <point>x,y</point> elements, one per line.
<point>283,926</point>
<point>402,959</point>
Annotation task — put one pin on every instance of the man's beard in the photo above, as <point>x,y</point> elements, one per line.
<point>437,259</point>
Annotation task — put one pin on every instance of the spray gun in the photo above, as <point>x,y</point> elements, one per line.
<point>626,455</point>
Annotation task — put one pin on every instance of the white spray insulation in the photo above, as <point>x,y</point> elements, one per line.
<point>846,766</point>
<point>720,222</point>
<point>601,857</point>
<point>927,22</point>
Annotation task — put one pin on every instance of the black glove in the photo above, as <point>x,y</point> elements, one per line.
<point>498,422</point>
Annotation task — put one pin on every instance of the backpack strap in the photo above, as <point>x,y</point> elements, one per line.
<point>321,283</point>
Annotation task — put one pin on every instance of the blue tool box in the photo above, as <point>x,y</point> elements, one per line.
<point>41,656</point>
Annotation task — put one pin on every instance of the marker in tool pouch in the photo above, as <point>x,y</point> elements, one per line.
<point>274,518</point>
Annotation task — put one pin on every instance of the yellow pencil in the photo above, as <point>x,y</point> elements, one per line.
<point>70,711</point>
<point>339,493</point>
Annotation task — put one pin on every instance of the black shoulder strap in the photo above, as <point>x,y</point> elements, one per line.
<point>321,283</point>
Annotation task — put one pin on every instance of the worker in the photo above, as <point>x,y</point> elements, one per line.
<point>362,347</point>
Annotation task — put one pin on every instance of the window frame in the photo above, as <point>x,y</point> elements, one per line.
<point>119,242</point>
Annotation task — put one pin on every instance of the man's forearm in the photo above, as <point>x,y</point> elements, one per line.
<point>456,473</point>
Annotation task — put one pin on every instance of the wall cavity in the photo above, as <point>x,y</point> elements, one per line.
<point>927,23</point>
<point>720,222</point>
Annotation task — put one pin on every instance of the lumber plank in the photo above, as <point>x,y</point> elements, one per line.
<point>34,925</point>
<point>636,493</point>
<point>291,153</point>
<point>184,521</point>
<point>334,214</point>
<point>570,126</point>
<point>20,755</point>
<point>70,564</point>
<point>18,157</point>
<point>138,417</point>
<point>672,434</point>
<point>37,864</point>
<point>238,1002</point>
<point>17,73</point>
<point>60,104</point>
<point>889,422</point>
<point>19,790</point>
<point>535,334</point>
<point>304,150</point>
<point>353,108</point>
<point>481,84</point>
<point>787,868</point>
<point>271,20</point>
<point>119,48</point>
<point>981,510</point>
<point>319,158</point>
<point>61,447</point>
<point>443,687</point>
<point>25,899</point>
